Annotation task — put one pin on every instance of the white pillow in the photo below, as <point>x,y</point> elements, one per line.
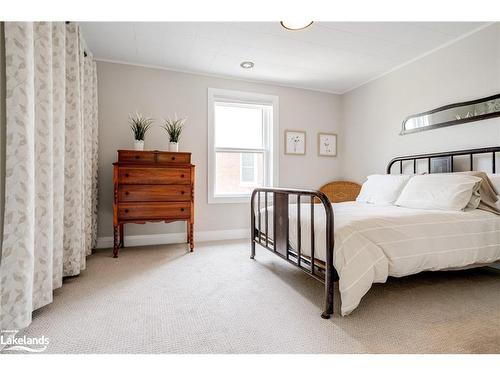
<point>382,189</point>
<point>495,181</point>
<point>440,191</point>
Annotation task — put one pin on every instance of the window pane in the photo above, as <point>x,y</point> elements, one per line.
<point>247,168</point>
<point>247,160</point>
<point>238,127</point>
<point>232,178</point>
<point>247,175</point>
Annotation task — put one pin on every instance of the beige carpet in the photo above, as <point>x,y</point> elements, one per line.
<point>160,299</point>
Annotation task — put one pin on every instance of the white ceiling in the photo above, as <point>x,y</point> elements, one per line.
<point>327,56</point>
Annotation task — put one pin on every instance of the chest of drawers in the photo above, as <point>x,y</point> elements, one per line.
<point>152,186</point>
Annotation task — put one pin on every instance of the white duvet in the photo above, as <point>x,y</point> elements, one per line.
<point>374,242</point>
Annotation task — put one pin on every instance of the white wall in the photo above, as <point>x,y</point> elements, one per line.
<point>372,114</point>
<point>159,93</point>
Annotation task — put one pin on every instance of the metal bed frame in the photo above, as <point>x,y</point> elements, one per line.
<point>279,243</point>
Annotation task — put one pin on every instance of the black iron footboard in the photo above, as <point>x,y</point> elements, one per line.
<point>279,242</point>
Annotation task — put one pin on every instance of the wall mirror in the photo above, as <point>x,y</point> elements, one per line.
<point>453,114</point>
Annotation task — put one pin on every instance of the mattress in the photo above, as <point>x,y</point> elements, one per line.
<point>375,242</point>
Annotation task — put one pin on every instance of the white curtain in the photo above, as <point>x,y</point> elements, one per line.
<point>51,165</point>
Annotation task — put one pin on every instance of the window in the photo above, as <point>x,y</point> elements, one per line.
<point>248,169</point>
<point>241,144</point>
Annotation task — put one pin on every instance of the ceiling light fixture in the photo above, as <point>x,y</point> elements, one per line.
<point>247,65</point>
<point>296,25</point>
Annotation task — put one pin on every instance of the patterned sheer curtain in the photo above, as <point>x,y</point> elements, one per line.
<point>51,165</point>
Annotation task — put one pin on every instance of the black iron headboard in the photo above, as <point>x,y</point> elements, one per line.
<point>446,158</point>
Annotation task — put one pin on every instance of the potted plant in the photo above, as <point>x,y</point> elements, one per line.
<point>139,125</point>
<point>173,128</point>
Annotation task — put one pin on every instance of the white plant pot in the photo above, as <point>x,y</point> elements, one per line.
<point>173,147</point>
<point>138,145</point>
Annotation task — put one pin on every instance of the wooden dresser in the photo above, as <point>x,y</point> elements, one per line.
<point>152,186</point>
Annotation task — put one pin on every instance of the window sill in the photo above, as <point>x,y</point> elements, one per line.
<point>224,199</point>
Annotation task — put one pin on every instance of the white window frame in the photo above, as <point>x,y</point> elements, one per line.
<point>271,140</point>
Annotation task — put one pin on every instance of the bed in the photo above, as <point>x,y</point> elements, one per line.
<point>359,244</point>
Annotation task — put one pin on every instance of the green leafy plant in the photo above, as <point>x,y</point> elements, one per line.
<point>174,128</point>
<point>139,125</point>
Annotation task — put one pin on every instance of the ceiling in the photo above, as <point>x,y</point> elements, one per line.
<point>327,56</point>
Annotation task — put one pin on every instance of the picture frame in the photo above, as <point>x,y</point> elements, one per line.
<point>295,142</point>
<point>327,144</point>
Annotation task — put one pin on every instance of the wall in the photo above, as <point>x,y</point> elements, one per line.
<point>159,93</point>
<point>372,114</point>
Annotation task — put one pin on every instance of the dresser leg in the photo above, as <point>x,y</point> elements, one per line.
<point>191,236</point>
<point>122,236</point>
<point>116,240</point>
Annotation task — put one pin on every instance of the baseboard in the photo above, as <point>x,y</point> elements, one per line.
<point>170,238</point>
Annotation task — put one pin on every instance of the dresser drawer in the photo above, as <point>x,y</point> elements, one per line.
<point>174,157</point>
<point>144,175</point>
<point>127,156</point>
<point>154,193</point>
<point>156,210</point>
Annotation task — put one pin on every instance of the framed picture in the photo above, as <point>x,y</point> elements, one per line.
<point>295,142</point>
<point>327,144</point>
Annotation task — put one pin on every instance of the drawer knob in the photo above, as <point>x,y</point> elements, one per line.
<point>137,156</point>
<point>126,210</point>
<point>126,174</point>
<point>126,193</point>
<point>182,192</point>
<point>182,209</point>
<point>182,176</point>
<point>173,157</point>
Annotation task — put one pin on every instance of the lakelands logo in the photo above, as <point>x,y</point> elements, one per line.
<point>9,341</point>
